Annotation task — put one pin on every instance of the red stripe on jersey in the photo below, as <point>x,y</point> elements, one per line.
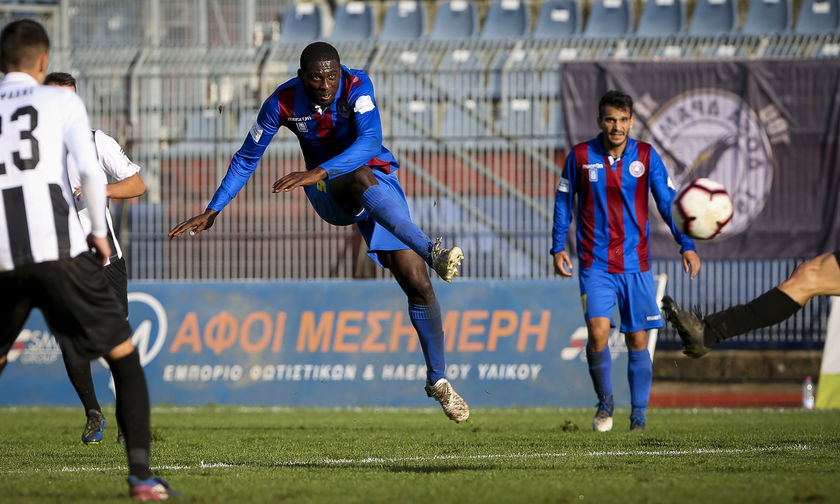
<point>615,213</point>
<point>641,201</point>
<point>286,102</point>
<point>384,166</point>
<point>587,206</point>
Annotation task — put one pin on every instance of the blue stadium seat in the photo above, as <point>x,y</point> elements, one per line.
<point>714,17</point>
<point>456,19</point>
<point>405,20</point>
<point>353,21</point>
<point>303,22</point>
<point>413,120</point>
<point>513,73</point>
<point>117,26</point>
<point>662,18</point>
<point>559,19</point>
<point>610,18</point>
<point>766,17</point>
<point>466,121</point>
<point>408,77</point>
<point>556,122</point>
<point>818,16</point>
<point>507,19</point>
<point>461,74</point>
<point>522,117</point>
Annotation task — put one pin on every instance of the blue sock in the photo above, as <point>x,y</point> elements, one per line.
<point>393,216</point>
<point>600,366</point>
<point>640,376</point>
<point>427,321</point>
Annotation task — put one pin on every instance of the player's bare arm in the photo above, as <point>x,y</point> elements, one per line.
<point>131,187</point>
<point>196,224</point>
<point>297,179</point>
<point>691,263</point>
<point>562,264</point>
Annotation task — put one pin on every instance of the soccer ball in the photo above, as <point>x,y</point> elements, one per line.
<point>703,209</point>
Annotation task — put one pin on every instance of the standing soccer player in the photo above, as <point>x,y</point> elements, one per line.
<point>612,175</point>
<point>124,181</point>
<point>350,179</point>
<point>45,261</point>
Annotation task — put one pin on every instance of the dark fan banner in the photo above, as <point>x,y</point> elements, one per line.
<point>767,130</point>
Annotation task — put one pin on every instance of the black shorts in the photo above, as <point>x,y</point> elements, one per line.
<point>75,298</point>
<point>118,280</point>
<point>837,256</point>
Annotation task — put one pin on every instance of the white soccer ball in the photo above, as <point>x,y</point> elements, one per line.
<point>703,209</point>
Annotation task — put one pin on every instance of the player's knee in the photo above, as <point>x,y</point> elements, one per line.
<point>806,277</point>
<point>121,350</point>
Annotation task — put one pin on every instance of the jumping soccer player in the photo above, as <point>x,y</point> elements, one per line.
<point>124,181</point>
<point>819,276</point>
<point>612,175</point>
<point>45,260</point>
<point>349,178</point>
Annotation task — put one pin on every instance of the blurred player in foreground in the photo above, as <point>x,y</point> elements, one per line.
<point>45,261</point>
<point>124,181</point>
<point>819,276</point>
<point>612,175</point>
<point>350,179</point>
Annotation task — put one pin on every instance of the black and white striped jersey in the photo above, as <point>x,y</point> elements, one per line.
<point>117,167</point>
<point>38,221</point>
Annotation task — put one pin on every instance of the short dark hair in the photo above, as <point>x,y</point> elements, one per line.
<point>616,99</point>
<point>21,43</point>
<point>318,51</point>
<point>60,79</point>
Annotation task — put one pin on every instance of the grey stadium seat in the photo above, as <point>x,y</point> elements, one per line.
<point>302,22</point>
<point>768,17</point>
<point>353,21</point>
<point>818,16</point>
<point>714,17</point>
<point>507,19</point>
<point>662,18</point>
<point>610,18</point>
<point>457,19</point>
<point>559,19</point>
<point>405,20</point>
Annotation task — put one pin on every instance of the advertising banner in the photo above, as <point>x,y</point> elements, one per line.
<point>334,343</point>
<point>765,129</point>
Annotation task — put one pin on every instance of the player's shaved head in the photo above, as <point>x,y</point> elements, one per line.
<point>62,79</point>
<point>22,42</point>
<point>615,99</point>
<point>318,51</point>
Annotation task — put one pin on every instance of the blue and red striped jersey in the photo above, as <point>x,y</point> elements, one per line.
<point>339,138</point>
<point>612,205</point>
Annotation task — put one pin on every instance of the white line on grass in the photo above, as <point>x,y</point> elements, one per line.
<point>401,460</point>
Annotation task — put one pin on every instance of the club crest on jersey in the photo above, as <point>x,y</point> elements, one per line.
<point>637,169</point>
<point>343,108</point>
<point>301,126</point>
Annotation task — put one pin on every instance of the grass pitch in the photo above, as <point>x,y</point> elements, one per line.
<point>244,454</point>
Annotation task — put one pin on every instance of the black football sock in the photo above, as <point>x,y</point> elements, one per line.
<point>78,370</point>
<point>770,308</point>
<point>133,412</point>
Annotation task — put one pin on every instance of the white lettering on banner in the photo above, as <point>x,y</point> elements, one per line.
<point>407,372</point>
<point>303,372</point>
<point>202,373</point>
<point>519,372</point>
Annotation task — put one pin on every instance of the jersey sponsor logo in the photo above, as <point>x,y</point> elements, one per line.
<point>364,104</point>
<point>653,317</point>
<point>714,133</point>
<point>593,170</point>
<point>321,186</point>
<point>637,169</point>
<point>256,131</point>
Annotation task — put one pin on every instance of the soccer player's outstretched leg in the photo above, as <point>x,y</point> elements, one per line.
<point>819,276</point>
<point>55,267</point>
<point>606,173</point>
<point>350,179</point>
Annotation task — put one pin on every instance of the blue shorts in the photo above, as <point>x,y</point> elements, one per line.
<point>378,238</point>
<point>635,293</point>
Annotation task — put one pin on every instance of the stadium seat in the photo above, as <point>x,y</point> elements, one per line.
<point>556,130</point>
<point>408,77</point>
<point>513,73</point>
<point>466,120</point>
<point>507,19</point>
<point>714,17</point>
<point>461,74</point>
<point>766,17</point>
<point>117,26</point>
<point>610,18</point>
<point>457,19</point>
<point>303,22</point>
<point>405,20</point>
<point>522,117</point>
<point>559,19</point>
<point>662,18</point>
<point>353,21</point>
<point>818,16</point>
<point>413,123</point>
